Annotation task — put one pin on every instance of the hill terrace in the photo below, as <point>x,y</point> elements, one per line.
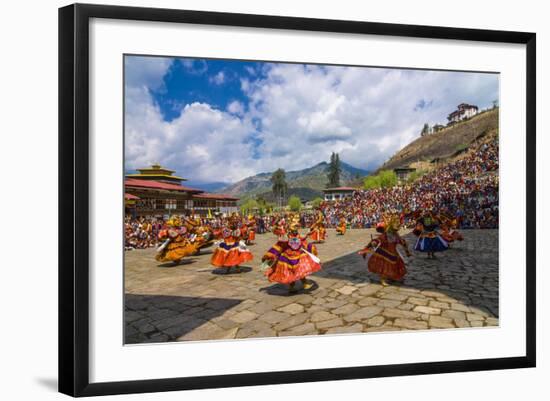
<point>157,192</point>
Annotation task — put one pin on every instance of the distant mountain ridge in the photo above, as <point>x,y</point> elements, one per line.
<point>206,186</point>
<point>307,183</point>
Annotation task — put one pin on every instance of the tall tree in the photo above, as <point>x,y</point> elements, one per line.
<point>295,203</point>
<point>279,185</point>
<point>333,171</point>
<point>425,130</point>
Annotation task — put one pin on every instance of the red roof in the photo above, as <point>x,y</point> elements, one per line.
<point>340,189</point>
<point>131,197</point>
<point>152,184</point>
<point>215,196</point>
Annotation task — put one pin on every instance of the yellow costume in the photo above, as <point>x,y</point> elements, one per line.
<point>317,231</point>
<point>341,229</point>
<point>176,245</point>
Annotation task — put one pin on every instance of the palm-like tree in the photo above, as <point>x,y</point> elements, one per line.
<point>334,169</point>
<point>279,185</point>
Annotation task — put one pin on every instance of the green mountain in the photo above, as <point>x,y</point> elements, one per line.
<point>307,183</point>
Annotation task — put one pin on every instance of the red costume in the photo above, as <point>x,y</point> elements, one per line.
<point>291,260</point>
<point>279,229</point>
<point>230,252</point>
<point>385,259</point>
<point>448,230</point>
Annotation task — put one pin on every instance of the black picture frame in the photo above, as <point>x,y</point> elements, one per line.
<point>74,198</point>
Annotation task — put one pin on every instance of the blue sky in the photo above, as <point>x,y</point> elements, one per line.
<point>222,120</point>
<point>215,82</point>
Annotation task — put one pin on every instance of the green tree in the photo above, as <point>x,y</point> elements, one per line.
<point>333,171</point>
<point>384,179</point>
<point>371,182</point>
<point>425,129</point>
<point>388,178</point>
<point>316,202</point>
<point>248,206</point>
<point>294,203</point>
<point>279,185</point>
<point>263,205</point>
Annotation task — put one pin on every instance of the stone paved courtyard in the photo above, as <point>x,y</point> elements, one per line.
<point>193,301</point>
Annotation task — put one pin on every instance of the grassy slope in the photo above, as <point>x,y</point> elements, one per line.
<point>444,144</point>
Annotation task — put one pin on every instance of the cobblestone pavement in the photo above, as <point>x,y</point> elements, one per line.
<point>193,301</point>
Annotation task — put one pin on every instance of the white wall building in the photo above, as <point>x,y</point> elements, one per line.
<point>462,112</point>
<point>338,193</point>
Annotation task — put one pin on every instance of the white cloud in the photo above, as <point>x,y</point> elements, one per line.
<point>146,71</point>
<point>297,115</point>
<point>195,66</point>
<point>366,114</point>
<point>250,70</point>
<point>201,144</point>
<point>217,79</point>
<point>236,107</point>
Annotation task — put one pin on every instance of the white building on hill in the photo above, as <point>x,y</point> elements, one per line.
<point>462,112</point>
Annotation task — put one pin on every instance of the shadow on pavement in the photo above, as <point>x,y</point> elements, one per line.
<point>282,289</point>
<point>183,262</point>
<point>447,274</point>
<point>222,271</point>
<point>161,318</point>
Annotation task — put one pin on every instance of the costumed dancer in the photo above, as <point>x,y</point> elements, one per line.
<point>231,251</point>
<point>201,235</point>
<point>341,229</point>
<point>291,260</point>
<point>251,230</point>
<point>429,239</point>
<point>385,259</point>
<point>175,243</point>
<point>317,231</point>
<point>448,229</point>
<point>279,228</point>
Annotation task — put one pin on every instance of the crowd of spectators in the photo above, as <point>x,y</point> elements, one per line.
<point>142,232</point>
<point>466,188</point>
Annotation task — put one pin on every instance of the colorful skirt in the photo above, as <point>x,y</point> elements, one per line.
<point>287,270</point>
<point>279,231</point>
<point>318,235</point>
<point>176,250</point>
<point>251,235</point>
<point>387,264</point>
<point>431,242</point>
<point>230,255</point>
<point>341,230</point>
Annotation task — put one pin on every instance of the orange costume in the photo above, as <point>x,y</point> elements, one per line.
<point>230,251</point>
<point>251,230</point>
<point>341,229</point>
<point>448,229</point>
<point>176,245</point>
<point>385,259</point>
<point>201,236</point>
<point>291,260</point>
<point>279,229</point>
<point>317,231</point>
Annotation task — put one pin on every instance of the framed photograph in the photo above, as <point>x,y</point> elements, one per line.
<point>251,199</point>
